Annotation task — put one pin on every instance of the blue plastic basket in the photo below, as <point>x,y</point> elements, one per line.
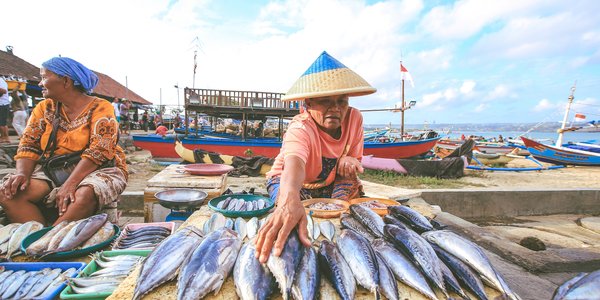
<point>36,266</point>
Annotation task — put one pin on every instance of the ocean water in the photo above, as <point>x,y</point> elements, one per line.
<point>593,137</point>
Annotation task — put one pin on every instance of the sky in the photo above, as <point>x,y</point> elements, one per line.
<point>472,61</point>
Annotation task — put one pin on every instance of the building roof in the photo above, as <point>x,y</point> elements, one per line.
<point>107,87</point>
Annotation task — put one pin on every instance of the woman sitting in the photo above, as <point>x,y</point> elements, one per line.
<point>83,123</point>
<point>321,150</point>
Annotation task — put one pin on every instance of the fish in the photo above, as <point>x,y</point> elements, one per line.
<point>146,229</point>
<point>217,221</point>
<point>240,227</point>
<point>232,204</point>
<point>313,230</point>
<point>359,255</point>
<point>209,265</point>
<point>103,234</point>
<point>403,268</point>
<point>253,280</point>
<point>7,231</point>
<point>388,285</point>
<point>349,222</point>
<point>420,251</point>
<point>229,223</point>
<point>30,282</point>
<point>224,203</point>
<point>43,283</point>
<point>473,256</point>
<point>99,288</point>
<point>588,287</point>
<point>11,290</point>
<point>56,283</point>
<point>562,290</point>
<point>336,270</point>
<point>389,219</point>
<point>411,217</point>
<point>162,263</point>
<point>284,266</point>
<point>252,227</point>
<point>41,244</point>
<point>327,229</point>
<point>80,233</point>
<point>451,282</point>
<point>370,219</point>
<point>14,245</point>
<point>464,273</point>
<point>308,278</point>
<point>7,282</point>
<point>60,235</point>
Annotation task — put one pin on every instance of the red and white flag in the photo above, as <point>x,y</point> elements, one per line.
<point>579,117</point>
<point>406,75</point>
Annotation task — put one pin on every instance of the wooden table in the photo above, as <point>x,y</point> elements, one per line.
<point>171,177</point>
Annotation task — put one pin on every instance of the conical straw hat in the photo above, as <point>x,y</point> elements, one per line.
<point>327,77</point>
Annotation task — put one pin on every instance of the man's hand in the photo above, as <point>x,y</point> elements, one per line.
<point>349,166</point>
<point>275,231</point>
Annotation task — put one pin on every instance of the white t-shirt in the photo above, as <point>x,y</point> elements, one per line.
<point>4,99</point>
<point>117,110</point>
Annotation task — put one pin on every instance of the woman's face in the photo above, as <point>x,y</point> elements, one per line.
<point>52,85</point>
<point>328,112</point>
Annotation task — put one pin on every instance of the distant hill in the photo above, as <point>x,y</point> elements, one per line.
<point>492,127</point>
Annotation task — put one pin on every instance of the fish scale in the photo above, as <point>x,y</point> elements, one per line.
<point>337,270</point>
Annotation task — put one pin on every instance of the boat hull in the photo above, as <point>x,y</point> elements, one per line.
<point>561,155</point>
<point>163,146</point>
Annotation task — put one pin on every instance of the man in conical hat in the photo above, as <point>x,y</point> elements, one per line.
<point>321,151</point>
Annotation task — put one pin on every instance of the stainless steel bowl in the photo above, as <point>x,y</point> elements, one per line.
<point>181,199</point>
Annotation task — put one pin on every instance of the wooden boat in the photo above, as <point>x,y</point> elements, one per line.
<point>561,155</point>
<point>493,158</point>
<point>483,147</point>
<point>163,146</point>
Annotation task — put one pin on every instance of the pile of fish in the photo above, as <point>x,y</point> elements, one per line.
<point>67,236</point>
<point>239,204</point>
<point>110,272</point>
<point>373,204</point>
<point>325,206</point>
<point>240,225</point>
<point>582,286</point>
<point>13,234</point>
<point>33,284</point>
<point>147,237</point>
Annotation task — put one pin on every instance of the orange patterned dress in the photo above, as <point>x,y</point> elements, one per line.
<point>95,131</point>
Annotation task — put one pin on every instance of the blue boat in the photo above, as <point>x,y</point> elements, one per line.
<point>561,155</point>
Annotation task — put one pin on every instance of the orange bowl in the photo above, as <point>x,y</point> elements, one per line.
<point>379,211</point>
<point>325,213</point>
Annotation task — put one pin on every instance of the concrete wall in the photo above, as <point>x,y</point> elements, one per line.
<point>474,204</point>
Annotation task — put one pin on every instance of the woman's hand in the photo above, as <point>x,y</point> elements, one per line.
<point>16,182</point>
<point>275,231</point>
<point>349,166</point>
<point>64,197</point>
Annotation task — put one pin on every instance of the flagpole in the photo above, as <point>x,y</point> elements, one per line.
<point>402,113</point>
<point>559,141</point>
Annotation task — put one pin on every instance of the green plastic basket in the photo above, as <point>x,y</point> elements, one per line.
<point>92,267</point>
<point>244,214</point>
<point>31,238</point>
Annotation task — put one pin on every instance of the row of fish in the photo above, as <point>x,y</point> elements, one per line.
<point>23,284</point>
<point>239,204</point>
<point>13,234</point>
<point>110,272</point>
<point>67,236</point>
<point>240,225</point>
<point>326,228</point>
<point>146,237</point>
<point>582,286</point>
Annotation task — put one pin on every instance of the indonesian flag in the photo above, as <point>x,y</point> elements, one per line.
<point>406,75</point>
<point>579,117</point>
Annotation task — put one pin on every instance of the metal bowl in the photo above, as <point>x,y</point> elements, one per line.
<point>181,199</point>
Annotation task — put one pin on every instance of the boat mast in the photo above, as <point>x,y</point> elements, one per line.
<point>564,122</point>
<point>402,111</point>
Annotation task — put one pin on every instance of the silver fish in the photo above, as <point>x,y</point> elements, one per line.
<point>403,268</point>
<point>562,290</point>
<point>56,283</point>
<point>224,203</point>
<point>42,283</point>
<point>464,273</point>
<point>209,265</point>
<point>336,270</point>
<point>284,266</point>
<point>161,265</point>
<point>30,282</point>
<point>229,223</point>
<point>217,221</point>
<point>470,254</point>
<point>60,235</point>
<point>370,219</point>
<point>41,244</point>
<point>7,231</point>
<point>420,251</point>
<point>359,255</point>
<point>261,203</point>
<point>232,204</point>
<point>16,284</point>
<point>388,286</point>
<point>91,281</point>
<point>81,233</point>
<point>349,222</point>
<point>100,288</point>
<point>5,284</point>
<point>240,227</point>
<point>313,229</point>
<point>14,245</point>
<point>587,287</point>
<point>253,280</point>
<point>250,205</point>
<point>451,282</point>
<point>308,278</point>
<point>252,227</point>
<point>411,217</point>
<point>103,234</point>
<point>327,229</point>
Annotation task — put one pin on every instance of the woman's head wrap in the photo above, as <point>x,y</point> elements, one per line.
<point>64,66</point>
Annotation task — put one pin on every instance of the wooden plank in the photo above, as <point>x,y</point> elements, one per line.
<point>173,176</point>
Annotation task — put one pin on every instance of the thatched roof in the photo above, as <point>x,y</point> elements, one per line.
<point>107,87</point>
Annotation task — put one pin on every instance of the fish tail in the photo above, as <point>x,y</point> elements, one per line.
<point>377,293</point>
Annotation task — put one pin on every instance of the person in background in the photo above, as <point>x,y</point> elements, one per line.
<point>500,139</point>
<point>157,120</point>
<point>161,129</point>
<point>87,124</point>
<point>321,151</point>
<point>145,120</point>
<point>4,110</point>
<point>19,120</point>
<point>116,106</point>
<point>124,113</point>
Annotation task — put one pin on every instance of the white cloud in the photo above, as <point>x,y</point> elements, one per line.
<point>545,105</point>
<point>467,87</point>
<point>481,107</point>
